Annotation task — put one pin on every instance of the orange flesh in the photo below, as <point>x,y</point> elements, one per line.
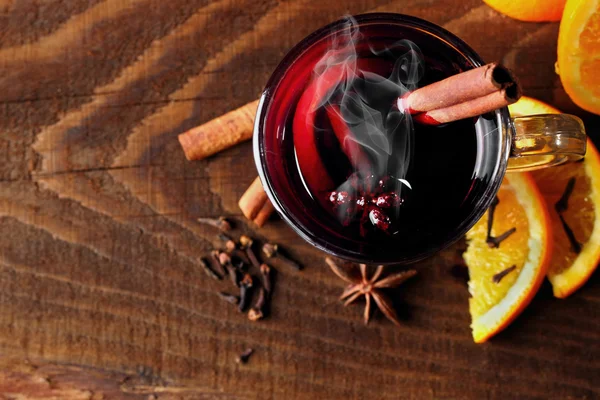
<point>484,262</point>
<point>580,215</point>
<point>579,53</point>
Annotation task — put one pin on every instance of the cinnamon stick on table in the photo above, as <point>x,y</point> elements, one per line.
<point>219,134</point>
<point>255,204</point>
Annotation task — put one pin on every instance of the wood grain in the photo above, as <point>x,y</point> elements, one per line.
<point>100,283</point>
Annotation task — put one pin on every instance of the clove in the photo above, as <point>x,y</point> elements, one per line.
<point>267,278</point>
<point>233,274</point>
<point>246,243</point>
<point>500,275</point>
<point>563,203</point>
<point>215,263</point>
<point>575,245</point>
<point>258,311</point>
<point>244,357</point>
<point>208,270</point>
<point>494,242</point>
<point>229,243</point>
<point>224,259</point>
<point>272,250</point>
<point>222,223</point>
<point>231,248</point>
<point>245,289</point>
<point>490,221</point>
<point>561,206</point>
<point>231,299</point>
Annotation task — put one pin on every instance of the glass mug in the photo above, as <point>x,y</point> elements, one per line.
<point>500,143</point>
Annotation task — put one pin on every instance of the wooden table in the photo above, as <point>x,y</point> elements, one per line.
<point>101,294</point>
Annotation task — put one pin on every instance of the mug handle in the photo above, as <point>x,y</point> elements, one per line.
<point>546,140</point>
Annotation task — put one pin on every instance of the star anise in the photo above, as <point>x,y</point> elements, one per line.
<point>370,288</point>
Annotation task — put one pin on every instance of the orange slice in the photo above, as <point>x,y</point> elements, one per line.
<point>579,53</point>
<point>570,269</point>
<point>530,106</point>
<point>530,10</point>
<point>503,280</point>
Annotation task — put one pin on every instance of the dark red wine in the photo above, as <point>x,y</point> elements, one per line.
<point>349,164</point>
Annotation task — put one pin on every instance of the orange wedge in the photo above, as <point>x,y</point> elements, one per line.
<point>570,269</point>
<point>504,279</point>
<point>529,10</point>
<point>579,53</point>
<point>573,264</point>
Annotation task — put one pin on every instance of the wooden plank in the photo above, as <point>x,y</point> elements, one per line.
<point>100,281</point>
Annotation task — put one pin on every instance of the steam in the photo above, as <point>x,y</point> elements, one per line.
<point>365,99</point>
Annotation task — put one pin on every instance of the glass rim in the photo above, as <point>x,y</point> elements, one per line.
<point>458,45</point>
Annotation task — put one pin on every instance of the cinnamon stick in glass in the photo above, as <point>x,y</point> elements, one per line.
<point>471,108</point>
<point>457,89</point>
<point>219,134</point>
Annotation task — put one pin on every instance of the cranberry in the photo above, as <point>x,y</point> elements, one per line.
<point>365,200</point>
<point>339,198</point>
<point>361,202</point>
<point>387,200</point>
<point>379,219</point>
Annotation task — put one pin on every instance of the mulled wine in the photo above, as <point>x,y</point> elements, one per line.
<point>353,173</point>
